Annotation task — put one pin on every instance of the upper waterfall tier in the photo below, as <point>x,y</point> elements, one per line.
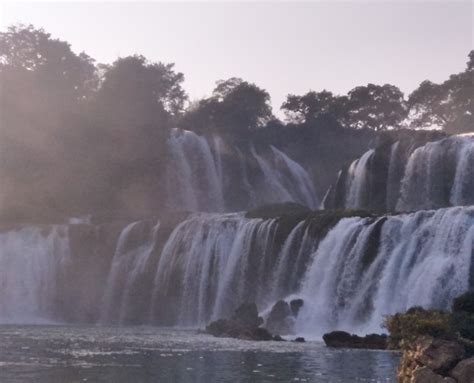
<point>208,174</point>
<point>350,269</point>
<point>401,177</point>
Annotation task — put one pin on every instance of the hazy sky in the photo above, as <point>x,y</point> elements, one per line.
<point>284,47</point>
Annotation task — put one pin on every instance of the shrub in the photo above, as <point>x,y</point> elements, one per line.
<point>415,322</point>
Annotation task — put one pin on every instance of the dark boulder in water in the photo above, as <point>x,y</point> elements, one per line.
<point>342,339</point>
<point>244,324</point>
<point>300,340</point>
<point>246,315</point>
<point>280,320</point>
<point>282,316</point>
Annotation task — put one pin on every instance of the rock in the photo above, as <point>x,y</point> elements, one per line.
<point>342,339</point>
<point>426,375</point>
<point>440,355</point>
<point>437,355</point>
<point>244,324</point>
<point>295,306</point>
<point>278,338</point>
<point>225,328</point>
<point>464,303</point>
<point>464,371</point>
<point>300,340</point>
<point>247,315</point>
<point>280,320</point>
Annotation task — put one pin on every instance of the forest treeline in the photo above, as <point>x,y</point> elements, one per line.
<point>77,136</point>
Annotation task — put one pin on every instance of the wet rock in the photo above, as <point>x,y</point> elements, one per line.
<point>300,340</point>
<point>295,306</point>
<point>426,375</point>
<point>342,339</point>
<point>247,315</point>
<point>428,353</point>
<point>244,324</point>
<point>278,338</point>
<point>464,371</point>
<point>438,354</point>
<point>280,320</point>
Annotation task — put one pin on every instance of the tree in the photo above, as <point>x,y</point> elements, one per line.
<point>44,86</point>
<point>449,105</point>
<point>313,106</point>
<point>50,62</point>
<point>376,107</point>
<point>138,92</point>
<point>235,107</point>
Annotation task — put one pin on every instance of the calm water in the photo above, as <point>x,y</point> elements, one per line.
<point>69,354</point>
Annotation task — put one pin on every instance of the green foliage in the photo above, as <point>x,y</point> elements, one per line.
<point>312,106</point>
<point>376,107</point>
<point>235,108</point>
<point>449,105</point>
<point>415,322</point>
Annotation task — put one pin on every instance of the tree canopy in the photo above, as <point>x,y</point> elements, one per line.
<point>449,105</point>
<point>235,107</point>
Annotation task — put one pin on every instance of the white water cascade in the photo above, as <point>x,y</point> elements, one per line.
<point>350,271</point>
<point>423,259</point>
<point>357,182</point>
<point>435,175</point>
<point>32,259</point>
<point>199,178</point>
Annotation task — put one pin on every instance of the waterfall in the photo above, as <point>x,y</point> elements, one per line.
<point>358,181</point>
<point>422,259</point>
<point>209,265</point>
<point>395,178</point>
<point>129,267</point>
<point>200,179</point>
<point>350,271</point>
<point>193,176</point>
<point>31,261</point>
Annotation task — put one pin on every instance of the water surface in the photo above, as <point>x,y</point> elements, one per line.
<point>70,354</point>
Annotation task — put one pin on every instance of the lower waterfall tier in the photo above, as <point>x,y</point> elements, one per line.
<point>350,270</point>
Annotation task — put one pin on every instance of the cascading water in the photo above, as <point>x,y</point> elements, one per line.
<point>350,271</point>
<point>129,267</point>
<point>357,181</point>
<point>199,179</point>
<point>31,262</point>
<point>423,259</point>
<point>437,174</point>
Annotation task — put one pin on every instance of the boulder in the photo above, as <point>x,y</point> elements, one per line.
<point>280,320</point>
<point>342,339</point>
<point>440,355</point>
<point>244,324</point>
<point>247,315</point>
<point>426,375</point>
<point>464,371</point>
<point>300,340</point>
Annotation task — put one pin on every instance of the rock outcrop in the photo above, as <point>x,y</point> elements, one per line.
<point>342,339</point>
<point>244,324</point>
<point>282,316</point>
<point>433,360</point>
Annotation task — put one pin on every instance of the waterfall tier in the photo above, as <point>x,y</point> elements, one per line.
<point>350,270</point>
<point>398,177</point>
<point>207,174</point>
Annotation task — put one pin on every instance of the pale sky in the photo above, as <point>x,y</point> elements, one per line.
<point>284,47</point>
